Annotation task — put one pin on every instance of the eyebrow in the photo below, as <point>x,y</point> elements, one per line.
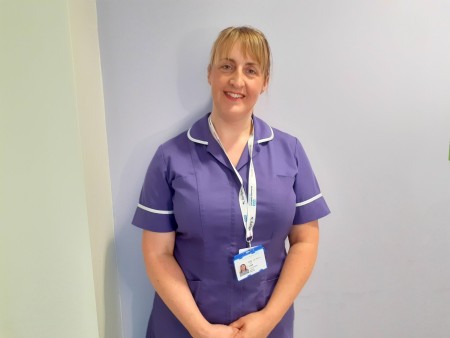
<point>247,63</point>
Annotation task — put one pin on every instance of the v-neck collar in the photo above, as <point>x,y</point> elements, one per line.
<point>199,133</point>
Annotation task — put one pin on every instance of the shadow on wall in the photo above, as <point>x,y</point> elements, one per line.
<point>192,74</point>
<point>134,282</point>
<point>132,272</point>
<point>128,238</point>
<point>112,304</point>
<point>192,96</point>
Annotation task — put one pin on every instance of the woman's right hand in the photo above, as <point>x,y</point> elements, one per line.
<point>170,283</point>
<point>219,331</point>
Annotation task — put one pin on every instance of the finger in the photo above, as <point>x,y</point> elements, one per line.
<point>237,324</point>
<point>238,334</point>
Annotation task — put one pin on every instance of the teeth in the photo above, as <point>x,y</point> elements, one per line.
<point>235,96</point>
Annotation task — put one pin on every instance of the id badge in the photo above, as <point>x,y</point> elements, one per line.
<point>249,262</point>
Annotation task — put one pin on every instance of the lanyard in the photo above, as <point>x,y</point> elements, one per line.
<point>247,203</point>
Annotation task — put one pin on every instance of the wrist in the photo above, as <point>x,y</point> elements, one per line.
<point>201,330</point>
<point>271,316</point>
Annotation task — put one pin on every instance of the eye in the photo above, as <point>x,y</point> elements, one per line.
<point>252,71</point>
<point>226,67</point>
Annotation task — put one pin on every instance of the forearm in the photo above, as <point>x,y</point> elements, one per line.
<point>170,283</point>
<point>296,270</point>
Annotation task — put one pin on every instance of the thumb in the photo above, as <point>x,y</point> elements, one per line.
<point>237,324</point>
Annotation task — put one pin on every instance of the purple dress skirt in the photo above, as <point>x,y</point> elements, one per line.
<point>191,188</point>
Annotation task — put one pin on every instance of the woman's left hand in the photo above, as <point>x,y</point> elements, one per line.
<point>304,239</point>
<point>253,325</point>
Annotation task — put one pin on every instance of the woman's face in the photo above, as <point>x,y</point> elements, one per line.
<point>236,83</point>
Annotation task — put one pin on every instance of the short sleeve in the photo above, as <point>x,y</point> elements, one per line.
<point>155,208</point>
<point>310,204</point>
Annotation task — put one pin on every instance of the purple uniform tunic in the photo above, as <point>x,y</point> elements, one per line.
<point>191,188</point>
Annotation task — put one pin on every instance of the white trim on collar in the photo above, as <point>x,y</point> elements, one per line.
<point>194,139</point>
<point>270,138</point>
<point>267,139</point>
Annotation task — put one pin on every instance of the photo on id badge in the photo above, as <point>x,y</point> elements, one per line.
<point>249,262</point>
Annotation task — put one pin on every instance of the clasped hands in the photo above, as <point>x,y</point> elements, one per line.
<point>253,325</point>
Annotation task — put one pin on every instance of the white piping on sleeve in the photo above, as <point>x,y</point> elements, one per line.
<point>162,212</point>
<point>312,199</point>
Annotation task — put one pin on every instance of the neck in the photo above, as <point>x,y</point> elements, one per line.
<point>230,131</point>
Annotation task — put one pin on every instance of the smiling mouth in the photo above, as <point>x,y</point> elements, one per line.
<point>234,95</point>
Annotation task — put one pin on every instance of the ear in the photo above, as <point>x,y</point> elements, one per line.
<point>266,84</point>
<point>209,74</point>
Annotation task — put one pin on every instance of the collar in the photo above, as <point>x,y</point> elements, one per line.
<point>200,133</point>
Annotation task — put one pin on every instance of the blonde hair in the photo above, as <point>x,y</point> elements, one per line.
<point>253,43</point>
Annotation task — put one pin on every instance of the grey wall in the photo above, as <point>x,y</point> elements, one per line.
<point>365,85</point>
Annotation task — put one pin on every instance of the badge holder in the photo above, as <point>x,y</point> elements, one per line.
<point>249,262</point>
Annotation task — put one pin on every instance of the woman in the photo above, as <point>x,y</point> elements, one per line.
<point>225,193</point>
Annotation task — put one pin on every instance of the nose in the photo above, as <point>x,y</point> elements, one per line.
<point>237,79</point>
